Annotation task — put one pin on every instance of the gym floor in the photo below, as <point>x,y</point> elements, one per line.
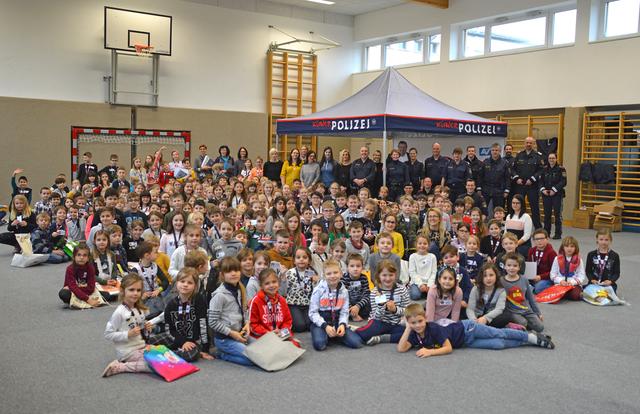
<point>53,358</point>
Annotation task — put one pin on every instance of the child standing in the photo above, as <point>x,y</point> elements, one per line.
<point>329,311</point>
<point>227,314</point>
<point>186,318</point>
<point>422,269</point>
<point>127,329</point>
<point>268,310</point>
<point>358,287</point>
<point>444,301</point>
<point>298,285</point>
<point>388,301</point>
<point>80,280</point>
<point>434,340</point>
<point>568,268</point>
<point>603,264</point>
<point>521,304</point>
<point>543,254</point>
<point>488,298</point>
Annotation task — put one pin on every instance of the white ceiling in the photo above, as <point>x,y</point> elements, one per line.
<point>350,7</point>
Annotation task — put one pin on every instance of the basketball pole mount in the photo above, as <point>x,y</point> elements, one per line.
<point>325,43</point>
<point>112,80</point>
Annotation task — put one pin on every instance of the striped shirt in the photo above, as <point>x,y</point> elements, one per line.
<point>399,295</point>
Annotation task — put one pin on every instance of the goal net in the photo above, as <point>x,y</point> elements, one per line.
<point>124,143</point>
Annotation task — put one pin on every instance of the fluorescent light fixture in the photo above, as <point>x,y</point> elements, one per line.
<point>323,2</point>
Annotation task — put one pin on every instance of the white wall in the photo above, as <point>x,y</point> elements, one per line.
<point>54,50</point>
<point>584,74</point>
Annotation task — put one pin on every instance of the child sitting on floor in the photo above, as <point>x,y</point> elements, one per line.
<point>603,264</point>
<point>80,281</point>
<point>357,285</point>
<point>42,241</point>
<point>568,268</point>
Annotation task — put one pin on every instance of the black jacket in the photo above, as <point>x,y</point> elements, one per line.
<point>476,169</point>
<point>363,169</point>
<point>272,170</point>
<point>436,169</point>
<point>341,174</point>
<point>397,173</point>
<point>188,326</point>
<point>457,174</point>
<point>527,166</point>
<point>496,176</point>
<point>611,270</point>
<point>416,172</point>
<point>554,179</point>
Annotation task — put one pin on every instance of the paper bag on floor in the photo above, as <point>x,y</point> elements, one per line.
<point>601,296</point>
<point>166,363</point>
<point>76,303</point>
<point>271,353</point>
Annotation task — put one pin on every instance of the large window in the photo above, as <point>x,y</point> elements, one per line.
<point>415,49</point>
<point>533,29</point>
<point>621,17</point>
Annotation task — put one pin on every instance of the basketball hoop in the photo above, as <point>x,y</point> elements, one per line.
<point>143,50</point>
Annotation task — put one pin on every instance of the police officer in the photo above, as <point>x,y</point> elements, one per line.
<point>508,155</point>
<point>496,179</point>
<point>456,175</point>
<point>435,166</point>
<point>475,164</point>
<point>552,183</point>
<point>362,172</point>
<point>416,170</point>
<point>478,198</point>
<point>527,169</point>
<point>397,175</point>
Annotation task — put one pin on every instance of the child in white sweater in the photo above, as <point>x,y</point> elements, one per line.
<point>422,269</point>
<point>192,239</point>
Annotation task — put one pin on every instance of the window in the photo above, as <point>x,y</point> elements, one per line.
<point>407,50</point>
<point>403,53</point>
<point>434,48</point>
<point>474,41</point>
<point>564,27</point>
<point>517,35</point>
<point>547,27</point>
<point>374,57</point>
<point>621,17</point>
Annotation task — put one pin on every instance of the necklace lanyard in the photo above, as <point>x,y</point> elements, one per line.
<point>184,313</point>
<point>321,256</point>
<point>539,255</point>
<point>300,280</point>
<point>237,200</point>
<point>486,305</point>
<point>177,241</point>
<point>602,265</point>
<point>314,211</point>
<point>333,304</point>
<point>238,302</point>
<point>273,311</point>
<point>148,277</point>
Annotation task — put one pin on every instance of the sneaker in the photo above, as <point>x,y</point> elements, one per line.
<point>544,341</point>
<point>110,369</point>
<point>375,340</point>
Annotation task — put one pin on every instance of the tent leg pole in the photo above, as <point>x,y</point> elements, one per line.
<point>277,142</point>
<point>384,158</point>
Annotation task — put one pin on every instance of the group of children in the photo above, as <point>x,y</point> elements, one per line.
<point>198,263</point>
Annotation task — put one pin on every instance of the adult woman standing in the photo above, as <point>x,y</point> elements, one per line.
<point>310,171</point>
<point>554,179</point>
<point>434,228</point>
<point>226,160</point>
<point>328,167</point>
<point>343,170</point>
<point>291,168</point>
<point>520,224</point>
<point>239,165</point>
<point>273,167</point>
<point>397,175</point>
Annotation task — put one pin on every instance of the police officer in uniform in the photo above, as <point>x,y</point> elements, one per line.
<point>416,170</point>
<point>397,175</point>
<point>456,175</point>
<point>527,169</point>
<point>552,183</point>
<point>475,164</point>
<point>362,172</point>
<point>496,179</point>
<point>435,166</point>
<point>508,155</point>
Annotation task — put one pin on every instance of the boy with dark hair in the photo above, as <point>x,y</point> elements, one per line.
<point>120,180</point>
<point>358,287</point>
<point>86,167</point>
<point>43,242</point>
<point>542,254</point>
<point>22,186</point>
<point>134,213</point>
<point>111,169</point>
<point>280,252</point>
<point>408,225</point>
<point>44,204</point>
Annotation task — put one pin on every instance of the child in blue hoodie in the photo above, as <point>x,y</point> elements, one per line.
<point>329,311</point>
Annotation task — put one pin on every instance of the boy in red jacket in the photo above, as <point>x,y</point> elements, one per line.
<point>543,254</point>
<point>269,310</point>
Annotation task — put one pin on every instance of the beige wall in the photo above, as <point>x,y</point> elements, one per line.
<point>36,134</point>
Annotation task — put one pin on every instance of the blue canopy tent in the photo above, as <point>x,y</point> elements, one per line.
<point>392,104</point>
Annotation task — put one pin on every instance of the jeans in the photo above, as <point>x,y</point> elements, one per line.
<point>529,320</point>
<point>56,259</point>
<point>232,351</point>
<point>485,337</point>
<point>375,328</point>
<point>415,293</point>
<point>541,285</point>
<point>300,318</point>
<point>320,339</point>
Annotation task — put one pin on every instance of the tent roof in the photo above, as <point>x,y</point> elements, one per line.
<point>392,101</point>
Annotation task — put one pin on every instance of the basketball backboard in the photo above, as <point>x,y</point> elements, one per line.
<point>124,29</point>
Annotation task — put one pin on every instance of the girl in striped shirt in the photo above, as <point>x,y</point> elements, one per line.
<point>388,300</point>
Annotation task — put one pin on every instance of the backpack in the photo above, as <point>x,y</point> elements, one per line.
<point>586,172</point>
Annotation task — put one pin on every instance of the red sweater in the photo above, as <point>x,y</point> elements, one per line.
<point>262,315</point>
<point>81,280</point>
<point>545,262</point>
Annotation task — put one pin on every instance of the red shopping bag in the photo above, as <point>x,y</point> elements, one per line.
<point>553,294</point>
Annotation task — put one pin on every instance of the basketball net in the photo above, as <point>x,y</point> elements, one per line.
<point>143,50</point>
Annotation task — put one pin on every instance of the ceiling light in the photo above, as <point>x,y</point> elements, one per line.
<point>323,2</point>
